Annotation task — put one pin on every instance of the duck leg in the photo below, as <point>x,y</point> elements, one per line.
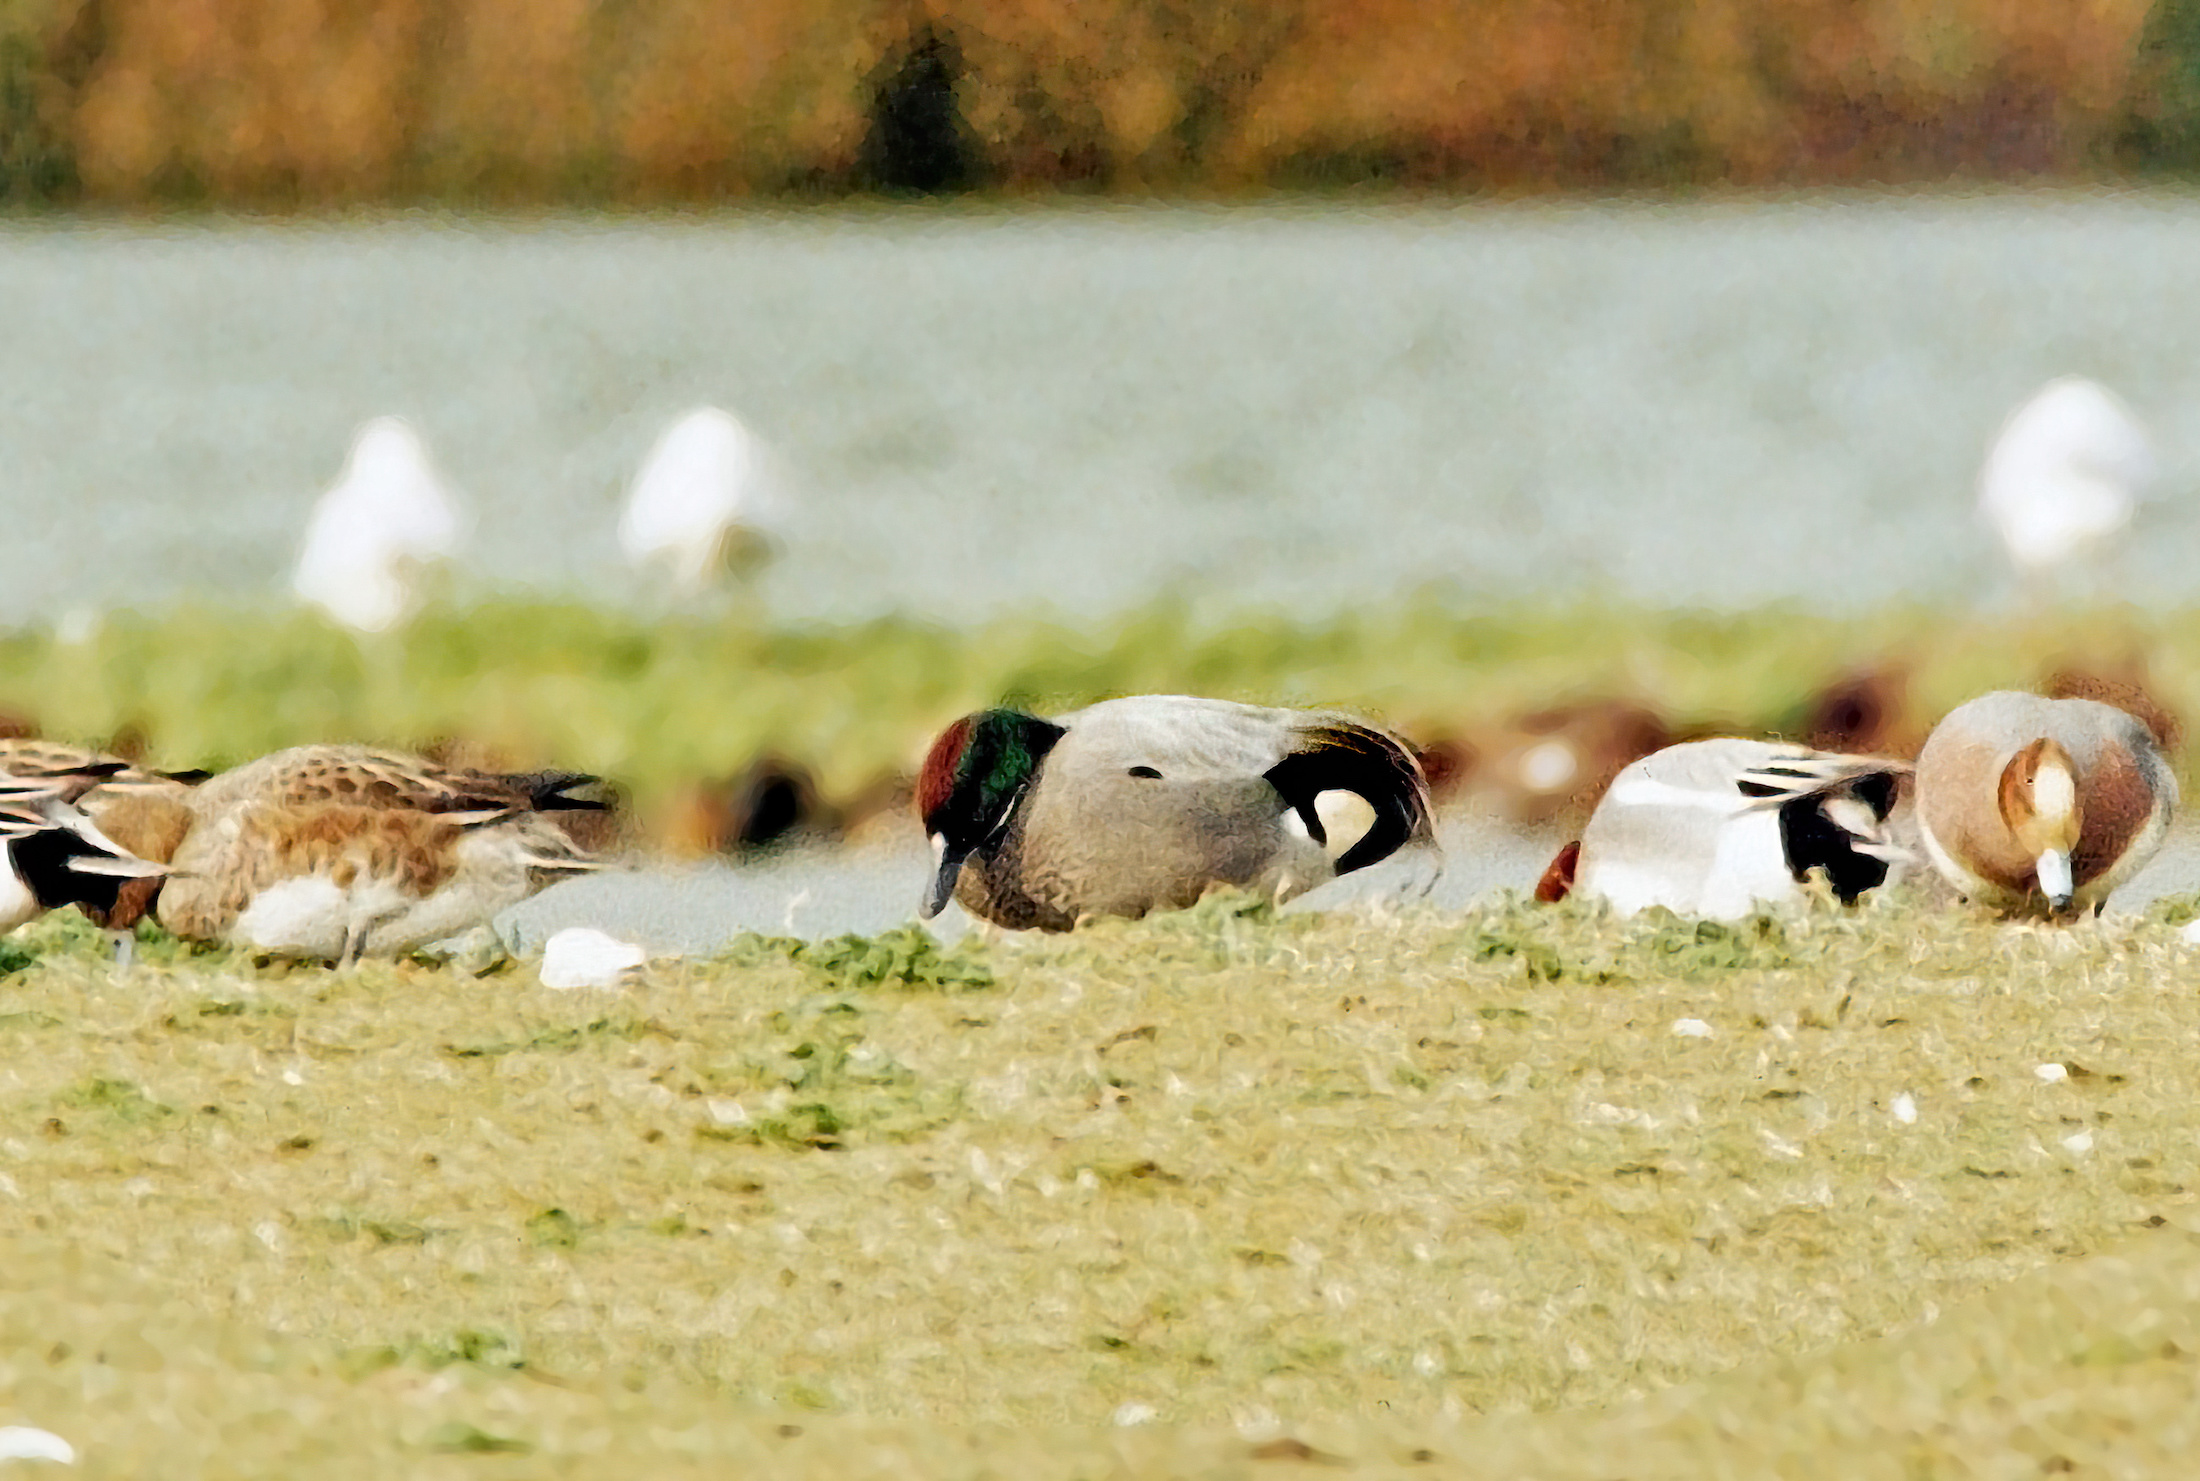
<point>362,926</point>
<point>123,943</point>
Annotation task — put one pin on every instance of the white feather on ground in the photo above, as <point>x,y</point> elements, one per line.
<point>582,956</point>
<point>27,1442</point>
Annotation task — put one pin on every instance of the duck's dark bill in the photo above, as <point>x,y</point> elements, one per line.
<point>943,882</point>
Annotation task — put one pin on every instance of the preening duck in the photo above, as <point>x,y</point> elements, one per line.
<point>1143,804</point>
<point>1722,828</point>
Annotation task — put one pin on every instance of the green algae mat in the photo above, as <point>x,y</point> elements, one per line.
<point>1524,1192</point>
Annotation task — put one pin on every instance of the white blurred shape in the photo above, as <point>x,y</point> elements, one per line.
<point>1905,1109</point>
<point>582,956</point>
<point>388,515</point>
<point>2063,475</point>
<point>22,1442</point>
<point>79,625</point>
<point>696,498</point>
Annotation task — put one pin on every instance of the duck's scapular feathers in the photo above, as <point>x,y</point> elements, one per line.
<point>56,854</point>
<point>1142,804</point>
<point>136,808</point>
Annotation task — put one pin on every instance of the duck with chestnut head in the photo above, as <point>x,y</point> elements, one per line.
<point>2030,805</point>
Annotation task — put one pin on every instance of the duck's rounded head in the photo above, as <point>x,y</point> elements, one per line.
<point>969,787</point>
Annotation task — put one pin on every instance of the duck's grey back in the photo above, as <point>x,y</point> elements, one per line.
<point>1194,738</point>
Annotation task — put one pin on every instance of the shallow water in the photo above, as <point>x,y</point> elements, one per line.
<point>975,411</point>
<point>814,894</point>
<point>821,892</point>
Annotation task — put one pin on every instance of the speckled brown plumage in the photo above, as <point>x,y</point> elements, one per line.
<point>363,851</point>
<point>362,775</point>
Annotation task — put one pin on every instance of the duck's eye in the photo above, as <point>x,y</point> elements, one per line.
<point>1146,771</point>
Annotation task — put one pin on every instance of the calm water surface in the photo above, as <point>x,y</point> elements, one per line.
<point>1313,407</point>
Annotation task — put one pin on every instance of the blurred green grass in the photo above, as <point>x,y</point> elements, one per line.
<point>658,703</point>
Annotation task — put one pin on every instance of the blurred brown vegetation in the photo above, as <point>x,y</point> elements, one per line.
<point>312,102</point>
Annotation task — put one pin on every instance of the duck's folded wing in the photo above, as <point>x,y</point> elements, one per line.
<point>70,771</point>
<point>40,818</point>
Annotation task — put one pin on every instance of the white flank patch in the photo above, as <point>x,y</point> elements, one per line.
<point>23,1442</point>
<point>2051,1071</point>
<point>1749,866</point>
<point>582,956</point>
<point>1905,1109</point>
<point>1632,888</point>
<point>1346,817</point>
<point>1691,1028</point>
<point>305,915</point>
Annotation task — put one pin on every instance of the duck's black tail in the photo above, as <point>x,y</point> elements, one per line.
<point>1341,755</point>
<point>1833,814</point>
<point>551,791</point>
